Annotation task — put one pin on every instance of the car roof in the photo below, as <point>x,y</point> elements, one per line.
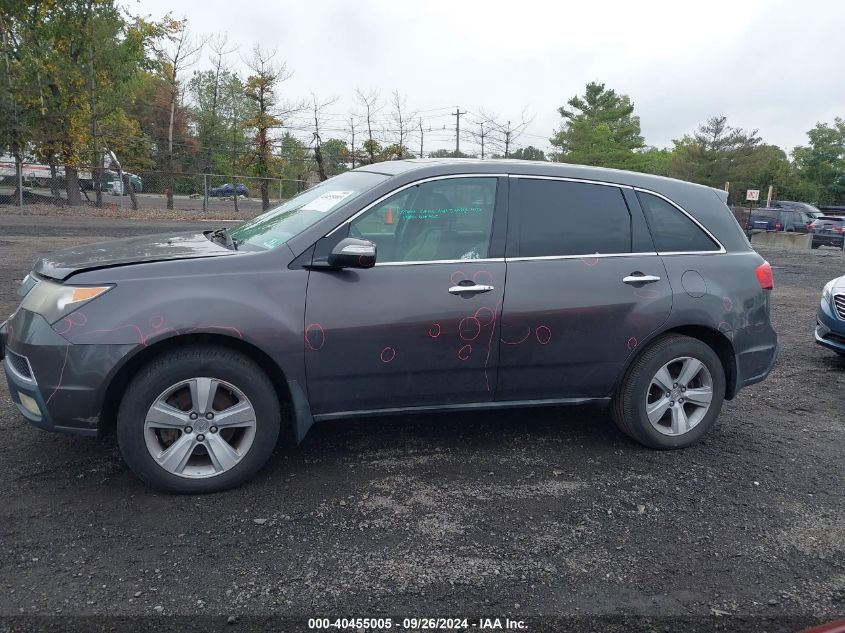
<point>446,166</point>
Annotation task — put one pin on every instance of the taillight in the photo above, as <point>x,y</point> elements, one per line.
<point>839,229</point>
<point>778,227</point>
<point>764,276</point>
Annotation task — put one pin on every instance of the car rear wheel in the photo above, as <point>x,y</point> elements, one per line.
<point>672,394</point>
<point>197,420</point>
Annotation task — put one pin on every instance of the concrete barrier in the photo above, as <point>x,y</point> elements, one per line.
<point>786,241</point>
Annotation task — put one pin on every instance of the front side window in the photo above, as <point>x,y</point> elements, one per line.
<point>447,219</point>
<point>276,226</point>
<point>558,217</point>
<point>672,230</point>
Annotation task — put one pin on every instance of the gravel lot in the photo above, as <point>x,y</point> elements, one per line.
<point>182,205</point>
<point>544,512</point>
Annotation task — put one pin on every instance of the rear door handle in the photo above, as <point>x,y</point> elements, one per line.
<point>639,278</point>
<point>459,290</point>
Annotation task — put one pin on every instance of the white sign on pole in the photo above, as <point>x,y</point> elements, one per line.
<point>752,195</point>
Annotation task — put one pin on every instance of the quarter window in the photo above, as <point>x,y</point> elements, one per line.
<point>571,218</point>
<point>671,229</point>
<point>445,219</point>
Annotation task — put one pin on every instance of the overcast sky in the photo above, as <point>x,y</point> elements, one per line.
<point>776,66</point>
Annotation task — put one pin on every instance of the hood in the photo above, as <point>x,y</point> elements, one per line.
<point>133,250</point>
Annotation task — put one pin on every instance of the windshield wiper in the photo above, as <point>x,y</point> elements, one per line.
<point>227,240</point>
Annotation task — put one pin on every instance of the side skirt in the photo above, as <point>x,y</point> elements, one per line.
<point>470,406</point>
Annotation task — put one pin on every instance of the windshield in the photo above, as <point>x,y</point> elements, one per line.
<point>278,225</point>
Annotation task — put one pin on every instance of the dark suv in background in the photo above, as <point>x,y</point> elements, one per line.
<point>775,219</point>
<point>404,286</point>
<point>791,205</point>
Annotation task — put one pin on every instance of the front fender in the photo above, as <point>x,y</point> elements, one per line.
<point>262,309</point>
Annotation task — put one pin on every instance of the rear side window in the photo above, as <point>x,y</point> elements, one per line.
<point>671,229</point>
<point>572,218</point>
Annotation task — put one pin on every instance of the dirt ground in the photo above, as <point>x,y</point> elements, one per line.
<point>149,208</point>
<point>526,514</point>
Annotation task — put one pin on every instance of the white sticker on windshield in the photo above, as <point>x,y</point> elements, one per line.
<point>326,201</point>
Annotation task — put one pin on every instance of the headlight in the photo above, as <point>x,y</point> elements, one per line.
<point>827,291</point>
<point>54,301</point>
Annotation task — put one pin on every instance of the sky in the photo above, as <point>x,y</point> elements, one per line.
<point>773,66</point>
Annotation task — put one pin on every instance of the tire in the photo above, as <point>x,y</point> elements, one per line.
<point>640,386</point>
<point>243,400</point>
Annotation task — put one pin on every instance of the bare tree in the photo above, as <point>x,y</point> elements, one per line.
<point>181,51</point>
<point>485,123</point>
<point>509,132</point>
<point>402,121</point>
<point>220,52</point>
<point>268,114</point>
<point>317,109</point>
<point>370,103</point>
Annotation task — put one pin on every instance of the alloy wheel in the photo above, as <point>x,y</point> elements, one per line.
<point>679,396</point>
<point>200,427</point>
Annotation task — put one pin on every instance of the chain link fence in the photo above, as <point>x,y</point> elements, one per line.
<point>194,193</point>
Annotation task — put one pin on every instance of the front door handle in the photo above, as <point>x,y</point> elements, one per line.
<point>475,288</point>
<point>639,278</point>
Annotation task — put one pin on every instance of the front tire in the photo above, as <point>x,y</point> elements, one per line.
<point>672,394</point>
<point>197,420</point>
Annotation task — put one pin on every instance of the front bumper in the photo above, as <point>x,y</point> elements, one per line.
<point>830,329</point>
<point>67,384</point>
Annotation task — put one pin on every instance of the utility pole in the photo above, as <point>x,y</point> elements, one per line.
<point>352,124</point>
<point>508,140</point>
<point>457,114</point>
<point>421,138</point>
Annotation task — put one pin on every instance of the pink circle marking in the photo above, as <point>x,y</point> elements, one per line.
<point>590,261</point>
<point>543,334</point>
<point>485,310</point>
<point>434,330</point>
<point>388,354</point>
<point>522,340</point>
<point>156,322</point>
<point>632,343</point>
<point>319,337</point>
<point>457,276</point>
<point>726,301</point>
<point>469,328</point>
<point>465,352</point>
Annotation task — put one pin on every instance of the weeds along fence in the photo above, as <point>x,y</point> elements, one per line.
<point>143,190</point>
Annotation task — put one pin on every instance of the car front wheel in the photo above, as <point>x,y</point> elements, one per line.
<point>197,420</point>
<point>672,394</point>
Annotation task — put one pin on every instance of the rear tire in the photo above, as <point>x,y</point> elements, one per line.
<point>213,406</point>
<point>685,420</point>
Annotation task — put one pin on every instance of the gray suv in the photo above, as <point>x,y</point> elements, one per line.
<point>406,286</point>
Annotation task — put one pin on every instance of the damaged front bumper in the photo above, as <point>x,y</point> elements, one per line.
<point>55,384</point>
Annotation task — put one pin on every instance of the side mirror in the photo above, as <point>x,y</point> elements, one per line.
<point>351,252</point>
